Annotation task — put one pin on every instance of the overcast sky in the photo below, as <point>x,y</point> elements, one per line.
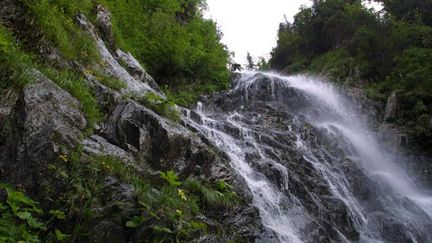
<point>251,25</point>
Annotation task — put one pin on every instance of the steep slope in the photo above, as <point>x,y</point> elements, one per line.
<point>101,165</point>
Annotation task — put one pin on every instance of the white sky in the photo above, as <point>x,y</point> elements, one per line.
<point>251,25</point>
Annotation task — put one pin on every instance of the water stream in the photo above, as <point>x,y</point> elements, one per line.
<point>316,171</point>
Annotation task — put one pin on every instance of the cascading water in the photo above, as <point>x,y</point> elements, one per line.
<point>316,171</point>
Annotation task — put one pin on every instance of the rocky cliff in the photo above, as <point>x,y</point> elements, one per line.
<point>106,177</point>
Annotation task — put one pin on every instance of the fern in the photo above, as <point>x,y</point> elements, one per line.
<point>213,197</point>
<point>171,178</point>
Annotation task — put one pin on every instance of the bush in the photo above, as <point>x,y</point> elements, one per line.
<point>161,106</point>
<point>20,219</point>
<point>413,70</point>
<point>172,39</point>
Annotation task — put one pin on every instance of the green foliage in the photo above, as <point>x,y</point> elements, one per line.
<point>15,65</point>
<point>108,81</point>
<point>170,177</point>
<point>59,26</point>
<point>161,106</point>
<point>418,11</point>
<point>221,195</point>
<point>17,69</point>
<point>337,64</point>
<point>414,69</point>
<point>263,64</point>
<point>180,45</point>
<point>168,212</point>
<point>21,219</point>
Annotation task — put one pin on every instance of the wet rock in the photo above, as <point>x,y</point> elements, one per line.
<point>97,145</point>
<point>105,97</point>
<point>392,107</point>
<point>4,113</point>
<point>45,119</point>
<point>137,71</point>
<point>393,136</point>
<point>111,66</point>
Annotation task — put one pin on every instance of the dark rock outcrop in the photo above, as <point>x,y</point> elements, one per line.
<point>391,109</point>
<point>45,120</point>
<point>46,124</point>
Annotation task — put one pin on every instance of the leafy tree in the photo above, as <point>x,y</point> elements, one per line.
<point>263,64</point>
<point>250,62</point>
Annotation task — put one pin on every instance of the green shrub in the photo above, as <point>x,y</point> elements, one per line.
<point>220,196</point>
<point>179,43</point>
<point>413,70</point>
<point>20,219</point>
<point>336,64</point>
<point>161,106</point>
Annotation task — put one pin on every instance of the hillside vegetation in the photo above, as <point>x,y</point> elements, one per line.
<point>382,52</point>
<point>170,38</point>
<point>91,149</point>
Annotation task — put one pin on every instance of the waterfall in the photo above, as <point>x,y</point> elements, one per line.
<point>316,170</point>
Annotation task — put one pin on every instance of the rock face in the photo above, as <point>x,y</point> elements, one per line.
<point>112,66</point>
<point>46,124</point>
<point>303,142</point>
<point>391,109</point>
<point>44,119</point>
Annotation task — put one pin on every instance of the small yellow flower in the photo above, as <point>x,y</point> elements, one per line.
<point>64,158</point>
<point>179,212</point>
<point>182,194</point>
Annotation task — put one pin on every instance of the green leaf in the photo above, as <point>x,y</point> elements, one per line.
<point>135,222</point>
<point>162,229</point>
<point>60,236</point>
<point>2,207</point>
<point>23,215</point>
<point>35,223</point>
<point>171,178</point>
<point>58,214</point>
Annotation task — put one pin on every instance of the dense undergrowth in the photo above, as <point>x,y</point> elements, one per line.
<point>380,52</point>
<point>162,211</point>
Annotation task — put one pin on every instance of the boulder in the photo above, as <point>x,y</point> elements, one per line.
<point>136,70</point>
<point>104,25</point>
<point>111,66</point>
<point>46,120</point>
<point>97,146</point>
<point>105,97</point>
<point>392,108</point>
